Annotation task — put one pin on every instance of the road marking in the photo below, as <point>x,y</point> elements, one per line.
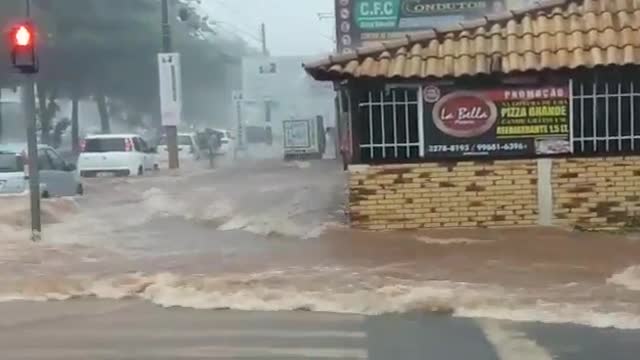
<point>224,352</point>
<point>511,344</point>
<point>210,352</point>
<point>184,333</point>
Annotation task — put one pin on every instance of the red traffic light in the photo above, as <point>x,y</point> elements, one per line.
<point>22,36</point>
<point>22,40</point>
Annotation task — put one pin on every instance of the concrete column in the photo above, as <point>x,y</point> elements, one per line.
<point>545,192</point>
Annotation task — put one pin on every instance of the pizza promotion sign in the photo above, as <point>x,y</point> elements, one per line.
<point>507,121</point>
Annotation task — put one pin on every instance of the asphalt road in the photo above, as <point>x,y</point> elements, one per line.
<point>92,329</point>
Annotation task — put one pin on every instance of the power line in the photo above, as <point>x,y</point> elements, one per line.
<point>253,35</point>
<point>241,29</point>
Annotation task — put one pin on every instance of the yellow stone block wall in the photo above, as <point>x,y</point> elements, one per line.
<point>596,193</point>
<point>463,194</point>
<point>587,193</point>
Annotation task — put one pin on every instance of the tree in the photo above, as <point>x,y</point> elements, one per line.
<point>107,50</point>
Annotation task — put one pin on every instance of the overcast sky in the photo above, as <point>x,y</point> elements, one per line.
<point>293,26</point>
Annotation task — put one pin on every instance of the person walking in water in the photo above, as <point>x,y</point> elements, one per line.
<point>214,145</point>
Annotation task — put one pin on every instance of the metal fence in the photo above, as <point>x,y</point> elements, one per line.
<point>390,126</point>
<point>606,113</point>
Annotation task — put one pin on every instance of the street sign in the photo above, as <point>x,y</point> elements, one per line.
<point>170,88</point>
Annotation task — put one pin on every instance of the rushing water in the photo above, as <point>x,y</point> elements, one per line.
<point>271,236</point>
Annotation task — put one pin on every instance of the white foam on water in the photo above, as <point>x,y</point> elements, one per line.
<point>158,202</point>
<point>270,224</point>
<point>219,209</point>
<point>629,278</point>
<point>15,211</point>
<point>276,291</point>
<point>15,221</point>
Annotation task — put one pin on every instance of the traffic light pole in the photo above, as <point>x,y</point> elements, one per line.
<point>29,102</point>
<point>171,132</point>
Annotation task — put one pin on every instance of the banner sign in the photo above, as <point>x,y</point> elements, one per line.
<point>170,72</point>
<point>507,121</point>
<point>363,22</point>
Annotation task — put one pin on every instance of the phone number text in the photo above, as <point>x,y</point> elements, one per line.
<point>470,148</point>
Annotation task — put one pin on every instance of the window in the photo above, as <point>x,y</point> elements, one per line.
<point>10,163</point>
<point>143,145</point>
<point>104,145</point>
<point>137,145</point>
<point>606,112</point>
<point>56,162</point>
<point>391,124</point>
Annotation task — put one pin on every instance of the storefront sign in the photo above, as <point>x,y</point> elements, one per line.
<point>504,121</point>
<point>364,22</point>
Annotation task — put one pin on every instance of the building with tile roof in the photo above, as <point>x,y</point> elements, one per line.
<point>530,116</point>
<point>551,35</point>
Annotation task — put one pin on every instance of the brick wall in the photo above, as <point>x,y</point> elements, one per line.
<point>463,194</point>
<point>593,193</point>
<point>596,193</point>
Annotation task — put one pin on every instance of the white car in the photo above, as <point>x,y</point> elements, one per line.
<point>188,148</point>
<point>57,177</point>
<point>123,155</point>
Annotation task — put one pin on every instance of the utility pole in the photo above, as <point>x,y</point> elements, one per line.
<point>171,132</point>
<point>263,39</point>
<point>29,101</point>
<point>267,102</point>
<point>1,119</point>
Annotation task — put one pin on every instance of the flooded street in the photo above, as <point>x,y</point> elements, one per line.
<point>272,236</point>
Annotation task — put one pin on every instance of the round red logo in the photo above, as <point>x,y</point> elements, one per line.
<point>464,114</point>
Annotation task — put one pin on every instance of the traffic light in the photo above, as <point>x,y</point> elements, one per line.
<point>23,48</point>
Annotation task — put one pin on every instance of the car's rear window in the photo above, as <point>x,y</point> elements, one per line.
<point>11,163</point>
<point>104,145</point>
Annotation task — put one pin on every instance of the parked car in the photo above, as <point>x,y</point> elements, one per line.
<point>122,155</point>
<point>188,147</point>
<point>57,177</point>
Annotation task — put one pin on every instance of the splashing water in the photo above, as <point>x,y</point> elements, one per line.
<point>629,278</point>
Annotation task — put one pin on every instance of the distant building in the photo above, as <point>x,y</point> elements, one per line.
<point>277,88</point>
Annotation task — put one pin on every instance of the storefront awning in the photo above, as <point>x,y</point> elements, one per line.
<point>552,35</point>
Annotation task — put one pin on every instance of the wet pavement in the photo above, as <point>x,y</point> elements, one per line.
<point>83,329</point>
